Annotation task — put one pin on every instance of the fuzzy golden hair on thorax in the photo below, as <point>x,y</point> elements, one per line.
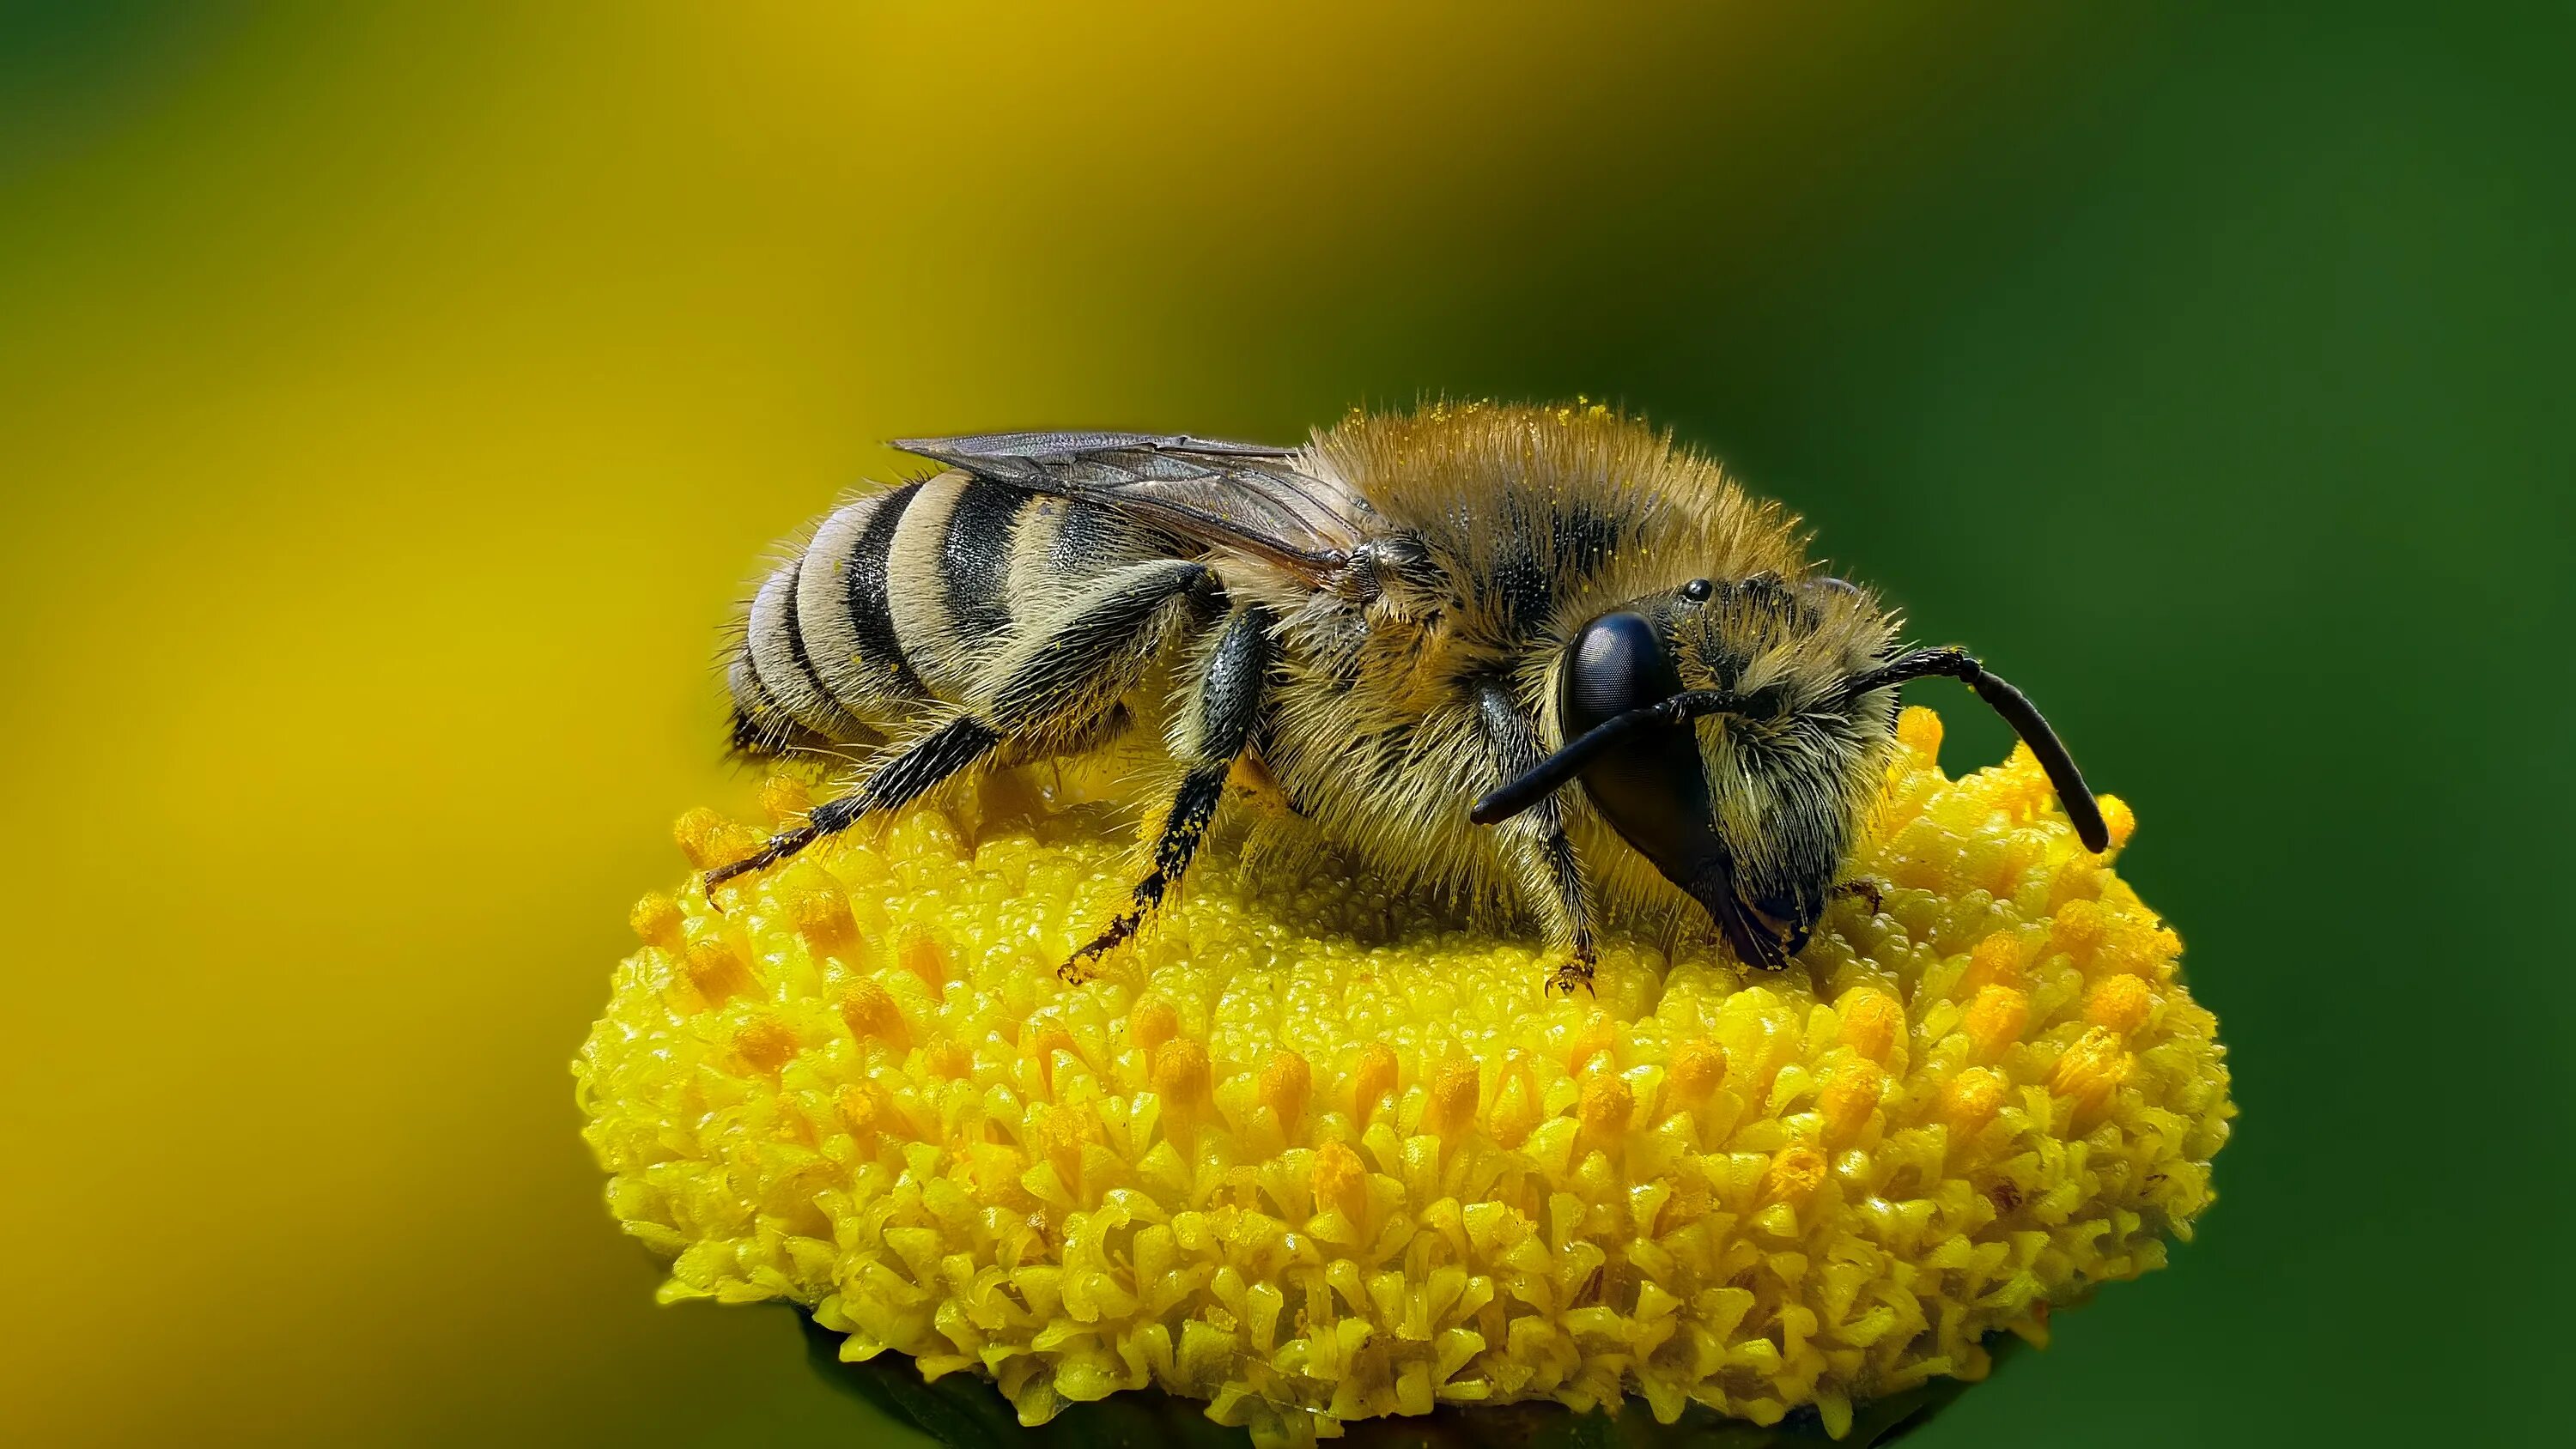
<point>1521,524</point>
<point>1604,504</point>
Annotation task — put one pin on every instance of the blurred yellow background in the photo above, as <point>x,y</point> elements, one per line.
<point>393,399</point>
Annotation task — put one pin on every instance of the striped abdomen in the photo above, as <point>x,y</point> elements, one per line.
<point>896,600</point>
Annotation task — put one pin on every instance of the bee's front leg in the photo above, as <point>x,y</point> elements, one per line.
<point>1867,889</point>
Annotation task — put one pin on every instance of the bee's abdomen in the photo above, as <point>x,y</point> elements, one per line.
<point>943,567</point>
<point>897,601</point>
<point>842,608</point>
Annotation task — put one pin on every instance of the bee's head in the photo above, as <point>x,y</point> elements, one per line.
<point>1731,732</point>
<point>1749,808</point>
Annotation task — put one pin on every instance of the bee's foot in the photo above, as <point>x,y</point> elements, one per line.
<point>1078,969</point>
<point>1568,977</point>
<point>1872,891</point>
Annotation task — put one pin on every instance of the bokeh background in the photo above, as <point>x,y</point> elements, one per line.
<point>393,398</point>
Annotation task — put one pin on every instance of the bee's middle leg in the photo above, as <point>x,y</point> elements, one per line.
<point>1225,706</point>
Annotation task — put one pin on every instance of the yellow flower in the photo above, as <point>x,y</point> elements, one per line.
<point>1312,1153</point>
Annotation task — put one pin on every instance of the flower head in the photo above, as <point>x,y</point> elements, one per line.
<point>1313,1153</point>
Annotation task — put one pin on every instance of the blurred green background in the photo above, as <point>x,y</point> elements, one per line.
<point>393,399</point>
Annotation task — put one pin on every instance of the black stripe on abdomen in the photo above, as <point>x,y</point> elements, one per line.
<point>1090,539</point>
<point>975,560</point>
<point>760,725</point>
<point>777,649</point>
<point>864,585</point>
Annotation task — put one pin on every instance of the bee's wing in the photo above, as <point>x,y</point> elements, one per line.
<point>1257,499</point>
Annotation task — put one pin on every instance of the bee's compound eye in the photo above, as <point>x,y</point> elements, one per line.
<point>1698,590</point>
<point>1652,789</point>
<point>1616,665</point>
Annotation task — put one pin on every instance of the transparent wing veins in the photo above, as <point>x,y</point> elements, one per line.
<point>1251,497</point>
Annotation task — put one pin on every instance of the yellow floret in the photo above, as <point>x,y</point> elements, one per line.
<point>1310,1155</point>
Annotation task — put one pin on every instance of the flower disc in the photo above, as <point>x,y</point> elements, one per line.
<point>1312,1153</point>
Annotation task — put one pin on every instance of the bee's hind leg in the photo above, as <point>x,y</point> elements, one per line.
<point>1223,708</point>
<point>899,781</point>
<point>1048,689</point>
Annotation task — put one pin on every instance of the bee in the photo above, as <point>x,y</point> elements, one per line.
<point>1424,628</point>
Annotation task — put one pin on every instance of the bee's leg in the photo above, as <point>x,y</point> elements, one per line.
<point>1224,707</point>
<point>1550,871</point>
<point>905,778</point>
<point>1795,913</point>
<point>1576,973</point>
<point>1053,686</point>
<point>1255,766</point>
<point>1866,888</point>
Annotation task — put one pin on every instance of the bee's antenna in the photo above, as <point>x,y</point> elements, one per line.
<point>1551,774</point>
<point>2017,711</point>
